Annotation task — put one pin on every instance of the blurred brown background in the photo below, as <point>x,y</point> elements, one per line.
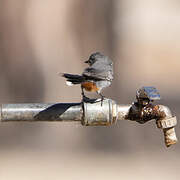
<point>40,38</point>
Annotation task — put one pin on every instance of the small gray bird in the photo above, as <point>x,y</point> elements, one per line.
<point>96,77</point>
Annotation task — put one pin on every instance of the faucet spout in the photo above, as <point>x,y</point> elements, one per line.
<point>167,122</point>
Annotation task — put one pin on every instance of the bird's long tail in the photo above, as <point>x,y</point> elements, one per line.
<point>72,79</point>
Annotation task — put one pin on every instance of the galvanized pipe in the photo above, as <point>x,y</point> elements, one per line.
<point>123,111</point>
<point>64,112</point>
<point>41,112</point>
<point>87,113</point>
<point>92,114</point>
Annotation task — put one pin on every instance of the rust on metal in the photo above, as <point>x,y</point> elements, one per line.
<point>142,114</point>
<point>170,136</point>
<point>161,114</point>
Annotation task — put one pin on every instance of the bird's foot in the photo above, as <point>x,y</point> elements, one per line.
<point>85,98</point>
<point>88,100</point>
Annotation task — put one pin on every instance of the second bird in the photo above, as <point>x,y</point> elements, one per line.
<point>96,77</point>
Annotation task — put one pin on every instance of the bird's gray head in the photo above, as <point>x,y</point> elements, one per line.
<point>94,57</point>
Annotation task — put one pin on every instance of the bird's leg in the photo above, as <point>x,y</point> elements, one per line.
<point>102,97</point>
<point>84,98</point>
<point>82,91</point>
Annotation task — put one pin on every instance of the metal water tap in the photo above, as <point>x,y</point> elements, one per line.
<point>95,114</point>
<point>144,110</point>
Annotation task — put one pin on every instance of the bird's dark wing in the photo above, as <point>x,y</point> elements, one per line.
<point>99,72</point>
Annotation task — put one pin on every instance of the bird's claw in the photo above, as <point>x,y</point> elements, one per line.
<point>86,99</point>
<point>89,100</point>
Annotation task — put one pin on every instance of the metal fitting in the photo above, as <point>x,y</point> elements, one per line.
<point>167,123</point>
<point>97,114</point>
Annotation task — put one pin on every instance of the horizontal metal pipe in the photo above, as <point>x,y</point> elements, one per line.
<point>123,111</point>
<point>41,112</point>
<point>88,113</point>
